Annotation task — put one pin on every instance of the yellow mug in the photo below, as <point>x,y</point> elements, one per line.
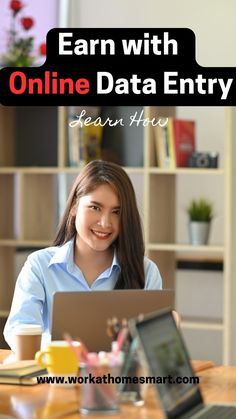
<point>59,357</point>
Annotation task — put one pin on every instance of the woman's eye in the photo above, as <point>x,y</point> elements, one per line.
<point>95,208</point>
<point>116,212</point>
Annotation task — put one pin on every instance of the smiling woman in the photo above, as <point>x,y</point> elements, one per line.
<point>100,190</point>
<point>99,246</point>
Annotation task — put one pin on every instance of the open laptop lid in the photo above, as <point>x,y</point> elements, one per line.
<point>84,314</point>
<point>167,355</point>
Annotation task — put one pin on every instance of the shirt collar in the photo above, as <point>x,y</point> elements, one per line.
<point>65,255</point>
<point>115,264</point>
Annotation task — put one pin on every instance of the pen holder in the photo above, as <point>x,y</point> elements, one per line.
<point>133,387</point>
<point>99,392</point>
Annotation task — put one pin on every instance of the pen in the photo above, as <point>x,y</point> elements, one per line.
<point>80,355</point>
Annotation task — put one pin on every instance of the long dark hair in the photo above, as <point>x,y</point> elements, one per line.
<point>129,244</point>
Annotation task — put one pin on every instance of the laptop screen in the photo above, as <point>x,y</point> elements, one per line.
<point>167,357</point>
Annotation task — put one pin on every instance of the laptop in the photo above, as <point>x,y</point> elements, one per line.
<point>84,314</point>
<point>167,356</point>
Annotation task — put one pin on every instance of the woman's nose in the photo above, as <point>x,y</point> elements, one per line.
<point>105,220</point>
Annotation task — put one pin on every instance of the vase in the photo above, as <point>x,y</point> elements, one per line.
<point>199,232</point>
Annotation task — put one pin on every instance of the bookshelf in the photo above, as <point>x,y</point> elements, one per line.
<point>35,178</point>
<point>163,247</point>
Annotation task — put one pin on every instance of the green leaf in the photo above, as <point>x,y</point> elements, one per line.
<point>200,210</point>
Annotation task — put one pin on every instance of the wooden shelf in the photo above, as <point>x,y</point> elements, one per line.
<point>186,171</point>
<point>56,170</point>
<point>202,324</point>
<point>184,248</point>
<point>25,243</point>
<point>30,170</point>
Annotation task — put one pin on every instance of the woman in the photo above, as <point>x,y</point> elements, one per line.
<point>98,246</point>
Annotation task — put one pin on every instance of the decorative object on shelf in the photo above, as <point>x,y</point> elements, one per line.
<point>200,214</point>
<point>203,160</point>
<point>20,48</point>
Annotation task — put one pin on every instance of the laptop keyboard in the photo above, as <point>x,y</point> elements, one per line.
<point>219,412</point>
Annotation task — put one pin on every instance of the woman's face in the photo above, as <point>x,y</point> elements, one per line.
<point>98,218</point>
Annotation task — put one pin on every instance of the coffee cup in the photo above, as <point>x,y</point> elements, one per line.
<point>27,340</point>
<point>60,360</point>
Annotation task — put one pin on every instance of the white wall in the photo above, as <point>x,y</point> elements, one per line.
<point>213,21</point>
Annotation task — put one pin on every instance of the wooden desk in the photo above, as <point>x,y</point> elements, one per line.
<point>217,384</point>
<point>47,402</point>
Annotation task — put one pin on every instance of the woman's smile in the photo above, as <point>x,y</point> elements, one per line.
<point>101,235</point>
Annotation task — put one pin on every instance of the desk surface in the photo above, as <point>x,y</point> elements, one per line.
<point>218,384</point>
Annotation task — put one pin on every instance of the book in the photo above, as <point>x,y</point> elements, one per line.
<point>171,143</point>
<point>161,147</point>
<point>92,138</point>
<point>21,372</point>
<point>75,143</point>
<point>183,139</point>
<point>84,141</point>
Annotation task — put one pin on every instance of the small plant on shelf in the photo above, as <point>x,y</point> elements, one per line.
<point>200,212</point>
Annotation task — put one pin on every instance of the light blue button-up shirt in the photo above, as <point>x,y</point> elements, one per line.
<point>53,269</point>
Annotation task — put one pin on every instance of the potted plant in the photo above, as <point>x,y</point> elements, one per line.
<point>200,212</point>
